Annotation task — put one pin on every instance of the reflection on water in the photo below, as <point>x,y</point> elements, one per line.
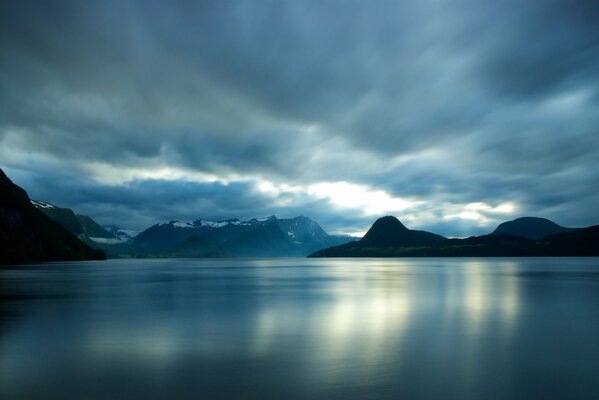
<point>317,328</point>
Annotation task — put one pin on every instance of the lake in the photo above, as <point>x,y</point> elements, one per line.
<point>449,328</point>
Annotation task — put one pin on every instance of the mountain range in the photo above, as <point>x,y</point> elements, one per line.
<point>28,235</point>
<point>258,237</point>
<point>301,236</point>
<point>528,236</point>
<point>34,230</point>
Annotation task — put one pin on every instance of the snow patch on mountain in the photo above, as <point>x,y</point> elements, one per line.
<point>178,224</point>
<point>42,204</point>
<point>214,224</point>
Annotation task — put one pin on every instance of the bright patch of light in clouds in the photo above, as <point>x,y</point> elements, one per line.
<point>348,195</point>
<point>114,175</point>
<point>361,199</point>
<point>275,190</point>
<point>478,211</point>
<point>357,234</point>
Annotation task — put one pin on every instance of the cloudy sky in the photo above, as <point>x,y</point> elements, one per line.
<point>451,115</point>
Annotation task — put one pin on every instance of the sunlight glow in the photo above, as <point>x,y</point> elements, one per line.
<point>275,190</point>
<point>113,175</point>
<point>357,234</point>
<point>478,211</point>
<point>348,195</point>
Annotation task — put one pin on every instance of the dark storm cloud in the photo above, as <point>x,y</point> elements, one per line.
<point>450,103</point>
<point>543,47</point>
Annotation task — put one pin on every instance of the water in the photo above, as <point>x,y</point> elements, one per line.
<point>301,328</point>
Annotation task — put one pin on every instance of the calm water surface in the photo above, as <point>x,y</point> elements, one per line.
<point>301,328</point>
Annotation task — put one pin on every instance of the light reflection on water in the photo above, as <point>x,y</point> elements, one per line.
<point>301,328</point>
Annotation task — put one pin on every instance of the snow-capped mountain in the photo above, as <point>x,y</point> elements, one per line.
<point>257,237</point>
<point>201,223</point>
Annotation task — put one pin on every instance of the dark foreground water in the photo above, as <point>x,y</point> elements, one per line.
<point>301,328</point>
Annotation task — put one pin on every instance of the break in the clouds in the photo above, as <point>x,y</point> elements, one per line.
<point>452,115</point>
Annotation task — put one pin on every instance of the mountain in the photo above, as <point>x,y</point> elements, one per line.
<point>389,238</point>
<point>28,235</point>
<point>386,232</point>
<point>389,231</point>
<point>532,228</point>
<point>258,237</point>
<point>82,226</point>
<point>579,242</point>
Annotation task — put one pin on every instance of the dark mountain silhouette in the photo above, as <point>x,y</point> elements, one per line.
<point>580,242</point>
<point>388,238</point>
<point>82,226</point>
<point>389,231</point>
<point>386,233</point>
<point>532,228</point>
<point>27,234</point>
<point>263,237</point>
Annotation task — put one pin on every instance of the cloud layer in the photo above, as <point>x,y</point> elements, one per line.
<point>451,115</point>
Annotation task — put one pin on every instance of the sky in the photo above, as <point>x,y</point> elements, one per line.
<point>451,115</point>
